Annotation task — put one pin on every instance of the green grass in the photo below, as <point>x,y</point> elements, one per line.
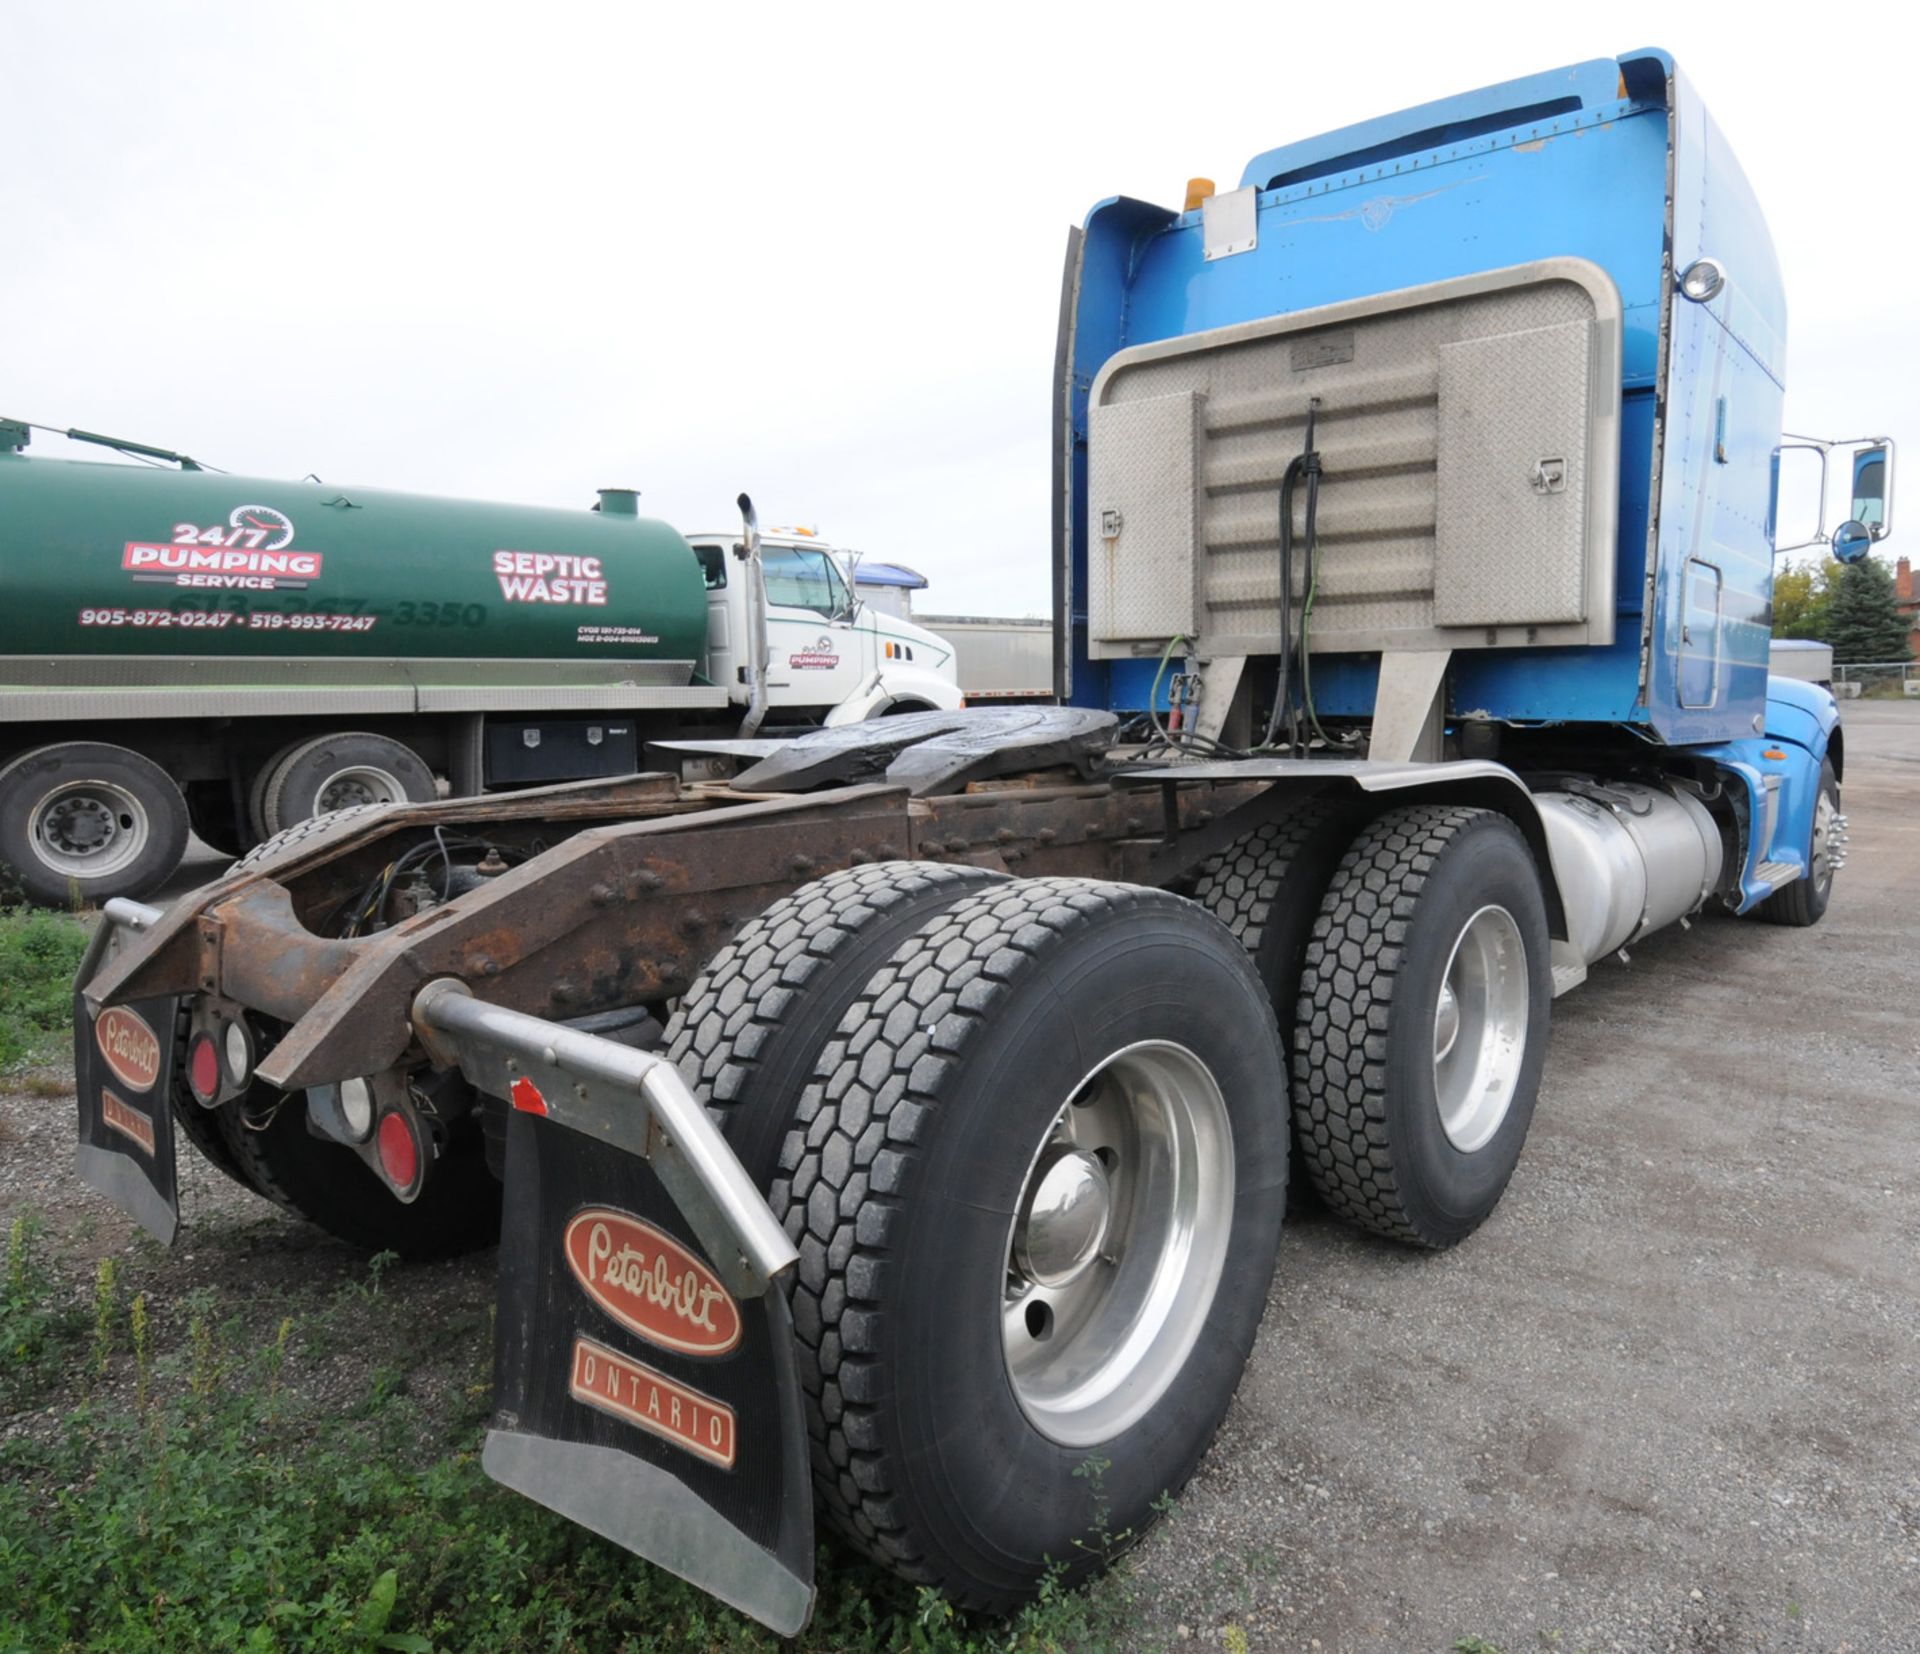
<point>39,952</point>
<point>193,1492</point>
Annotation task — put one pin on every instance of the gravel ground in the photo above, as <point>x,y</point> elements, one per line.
<point>1669,1397</point>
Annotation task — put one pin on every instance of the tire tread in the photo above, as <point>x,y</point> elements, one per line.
<point>1346,989</point>
<point>856,1133</point>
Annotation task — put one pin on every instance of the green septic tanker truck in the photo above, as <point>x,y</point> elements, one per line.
<point>185,649</point>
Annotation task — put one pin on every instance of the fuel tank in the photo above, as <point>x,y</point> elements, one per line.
<point>1629,859</point>
<point>126,560</point>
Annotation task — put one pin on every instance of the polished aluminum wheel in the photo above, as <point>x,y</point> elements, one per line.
<point>1828,850</point>
<point>1480,1028</point>
<point>360,784</point>
<point>1117,1243</point>
<point>88,829</point>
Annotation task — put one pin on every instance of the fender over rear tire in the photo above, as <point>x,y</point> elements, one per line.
<point>981,1078</point>
<point>85,820</point>
<point>1422,1024</point>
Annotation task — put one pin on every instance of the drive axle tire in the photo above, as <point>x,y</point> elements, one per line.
<point>1266,888</point>
<point>1422,1024</point>
<point>1036,1183</point>
<point>1804,902</point>
<point>329,1184</point>
<point>749,1029</point>
<point>336,772</point>
<point>88,821</point>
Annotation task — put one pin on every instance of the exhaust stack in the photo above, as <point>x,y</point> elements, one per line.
<point>749,553</point>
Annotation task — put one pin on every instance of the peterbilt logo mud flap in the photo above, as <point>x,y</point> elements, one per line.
<point>632,1393</point>
<point>123,1072</point>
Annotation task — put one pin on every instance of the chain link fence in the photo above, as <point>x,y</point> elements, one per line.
<point>1877,680</point>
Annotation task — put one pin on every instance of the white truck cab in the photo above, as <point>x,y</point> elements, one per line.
<point>830,654</point>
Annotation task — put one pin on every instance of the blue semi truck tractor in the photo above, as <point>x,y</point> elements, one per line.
<point>900,1117</point>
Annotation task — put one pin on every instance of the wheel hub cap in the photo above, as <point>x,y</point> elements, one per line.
<point>80,826</point>
<point>1480,1028</point>
<point>363,784</point>
<point>88,828</point>
<point>1116,1243</point>
<point>1826,831</point>
<point>1064,1222</point>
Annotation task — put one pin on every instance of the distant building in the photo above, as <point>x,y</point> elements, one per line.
<point>1906,598</point>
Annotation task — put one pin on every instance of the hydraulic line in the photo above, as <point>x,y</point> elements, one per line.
<point>1187,741</point>
<point>1306,608</point>
<point>1283,686</point>
<point>1304,464</point>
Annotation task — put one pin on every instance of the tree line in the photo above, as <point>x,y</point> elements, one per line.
<point>1849,607</point>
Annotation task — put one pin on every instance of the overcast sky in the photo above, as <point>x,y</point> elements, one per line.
<point>810,251</point>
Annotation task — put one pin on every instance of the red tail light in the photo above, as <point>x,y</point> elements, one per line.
<point>399,1153</point>
<point>203,1068</point>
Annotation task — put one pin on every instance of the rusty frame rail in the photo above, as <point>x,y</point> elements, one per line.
<point>620,911</point>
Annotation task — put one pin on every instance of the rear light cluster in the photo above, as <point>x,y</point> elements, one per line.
<point>220,1061</point>
<point>377,1122</point>
<point>356,1108</point>
<point>399,1152</point>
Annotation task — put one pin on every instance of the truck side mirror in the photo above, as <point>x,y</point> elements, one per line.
<point>1852,541</point>
<point>1873,489</point>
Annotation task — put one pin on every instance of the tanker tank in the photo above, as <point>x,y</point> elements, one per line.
<point>140,574</point>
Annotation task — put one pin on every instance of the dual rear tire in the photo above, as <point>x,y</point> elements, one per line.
<point>1036,1180</point>
<point>1408,962</point>
<point>342,770</point>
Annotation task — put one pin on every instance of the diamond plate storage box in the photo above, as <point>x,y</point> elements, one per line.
<point>1510,526</point>
<point>1146,476</point>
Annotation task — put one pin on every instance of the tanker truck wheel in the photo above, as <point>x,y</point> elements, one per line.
<point>85,821</point>
<point>1422,1023</point>
<point>746,1035</point>
<point>1036,1182</point>
<point>257,792</point>
<point>335,772</point>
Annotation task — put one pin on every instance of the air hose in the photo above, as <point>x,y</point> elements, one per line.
<point>1304,464</point>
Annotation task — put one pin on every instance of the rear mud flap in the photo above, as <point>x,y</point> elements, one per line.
<point>123,1077</point>
<point>697,1462</point>
<point>645,1378</point>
